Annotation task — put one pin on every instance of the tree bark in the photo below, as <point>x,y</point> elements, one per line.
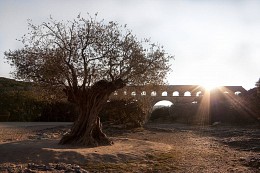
<point>87,129</point>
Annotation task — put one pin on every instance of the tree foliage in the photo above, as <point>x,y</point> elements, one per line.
<point>89,60</point>
<point>81,52</point>
<point>257,84</point>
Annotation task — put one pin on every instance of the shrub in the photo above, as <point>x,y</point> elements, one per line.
<point>126,112</point>
<point>58,112</point>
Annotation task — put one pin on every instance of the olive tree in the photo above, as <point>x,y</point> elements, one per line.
<point>87,59</point>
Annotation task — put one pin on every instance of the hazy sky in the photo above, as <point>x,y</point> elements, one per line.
<point>214,41</point>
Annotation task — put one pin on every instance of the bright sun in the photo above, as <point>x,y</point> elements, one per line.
<point>209,86</point>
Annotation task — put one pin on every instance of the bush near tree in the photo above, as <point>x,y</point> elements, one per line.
<point>128,113</point>
<point>59,111</point>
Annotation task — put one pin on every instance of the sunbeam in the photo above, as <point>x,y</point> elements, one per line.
<point>238,103</point>
<point>211,105</point>
<point>203,113</point>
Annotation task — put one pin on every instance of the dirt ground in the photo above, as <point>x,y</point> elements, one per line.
<point>154,148</point>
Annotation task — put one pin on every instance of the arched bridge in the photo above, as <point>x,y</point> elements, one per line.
<point>172,93</point>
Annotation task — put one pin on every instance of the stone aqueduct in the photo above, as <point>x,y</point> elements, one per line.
<point>173,93</point>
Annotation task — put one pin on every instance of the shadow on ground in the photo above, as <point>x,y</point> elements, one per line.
<point>49,151</point>
<point>37,152</point>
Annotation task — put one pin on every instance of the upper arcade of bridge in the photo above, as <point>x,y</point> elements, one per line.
<point>173,90</point>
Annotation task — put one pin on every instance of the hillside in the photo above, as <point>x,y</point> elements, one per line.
<point>7,84</point>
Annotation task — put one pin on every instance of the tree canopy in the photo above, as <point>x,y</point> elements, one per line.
<point>81,52</point>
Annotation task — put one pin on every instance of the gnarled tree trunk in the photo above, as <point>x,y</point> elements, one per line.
<point>87,128</point>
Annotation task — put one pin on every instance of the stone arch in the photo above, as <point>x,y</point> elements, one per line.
<point>133,93</point>
<point>199,93</point>
<point>237,93</point>
<point>143,93</point>
<point>176,93</point>
<point>163,100</point>
<point>154,107</point>
<point>187,93</point>
<point>153,93</point>
<point>164,93</point>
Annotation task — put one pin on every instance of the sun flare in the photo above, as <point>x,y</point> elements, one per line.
<point>209,86</point>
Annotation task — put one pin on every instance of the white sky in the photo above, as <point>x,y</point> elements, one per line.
<point>215,42</point>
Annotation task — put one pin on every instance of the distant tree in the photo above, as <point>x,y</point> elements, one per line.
<point>257,84</point>
<point>89,60</point>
